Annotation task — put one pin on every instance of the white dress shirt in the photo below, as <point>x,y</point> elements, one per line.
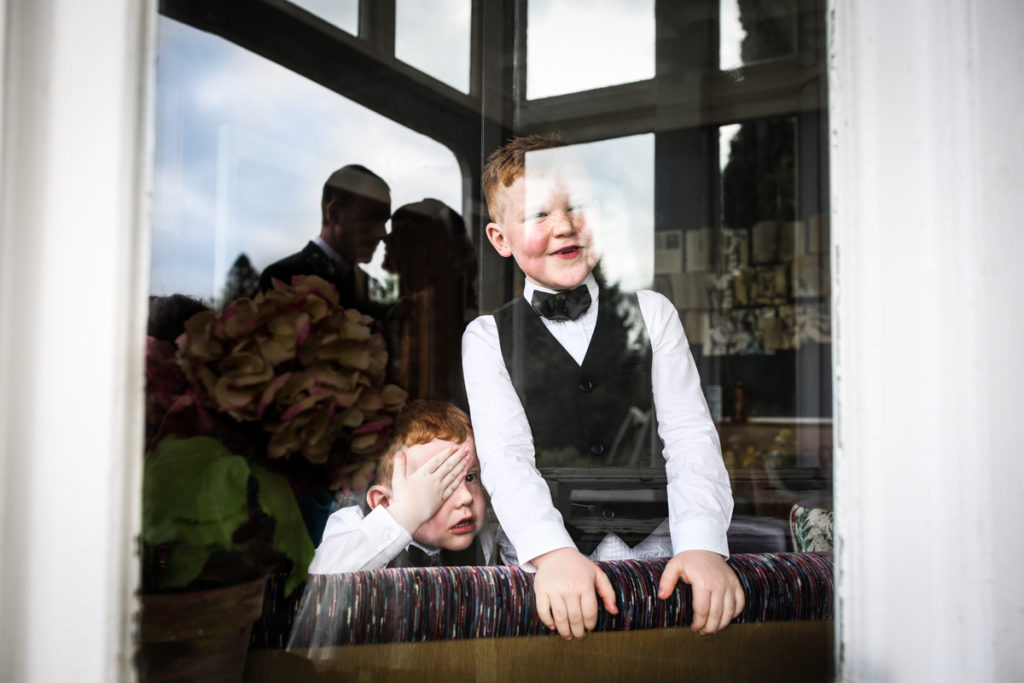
<point>331,254</point>
<point>354,541</point>
<point>699,494</point>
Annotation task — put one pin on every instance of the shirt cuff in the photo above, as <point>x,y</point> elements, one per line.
<point>700,534</point>
<point>543,540</point>
<point>389,535</point>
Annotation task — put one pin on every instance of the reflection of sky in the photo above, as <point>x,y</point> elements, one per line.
<point>575,45</point>
<point>434,37</point>
<point>244,146</point>
<point>242,151</point>
<point>342,13</point>
<point>730,35</point>
<point>614,182</point>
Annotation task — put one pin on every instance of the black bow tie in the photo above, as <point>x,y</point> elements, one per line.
<point>562,305</point>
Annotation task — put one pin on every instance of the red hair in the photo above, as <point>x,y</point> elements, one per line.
<point>421,422</point>
<point>507,164</point>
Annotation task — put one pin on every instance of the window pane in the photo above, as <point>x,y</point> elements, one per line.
<point>752,31</point>
<point>342,13</point>
<point>434,37</point>
<point>574,46</point>
<point>619,209</point>
<point>243,150</point>
<point>712,191</point>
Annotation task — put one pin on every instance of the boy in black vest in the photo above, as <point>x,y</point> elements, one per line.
<point>551,376</point>
<point>426,506</point>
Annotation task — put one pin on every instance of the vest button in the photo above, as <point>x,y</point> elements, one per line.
<point>586,385</point>
<point>596,448</point>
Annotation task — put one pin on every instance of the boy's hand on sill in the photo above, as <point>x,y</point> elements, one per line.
<point>566,587</point>
<point>717,595</point>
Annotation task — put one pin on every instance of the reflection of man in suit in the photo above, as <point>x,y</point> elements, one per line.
<point>355,206</point>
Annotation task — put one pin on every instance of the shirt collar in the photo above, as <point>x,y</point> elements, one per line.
<point>331,254</point>
<point>529,288</point>
<point>428,551</point>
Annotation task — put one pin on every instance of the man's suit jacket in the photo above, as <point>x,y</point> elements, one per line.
<point>313,261</point>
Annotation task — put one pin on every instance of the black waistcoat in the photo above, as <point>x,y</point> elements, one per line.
<point>575,412</point>
<point>473,556</point>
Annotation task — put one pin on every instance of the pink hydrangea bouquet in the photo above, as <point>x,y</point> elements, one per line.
<point>307,371</point>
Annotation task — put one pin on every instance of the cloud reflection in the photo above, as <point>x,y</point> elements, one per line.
<point>576,46</point>
<point>242,151</point>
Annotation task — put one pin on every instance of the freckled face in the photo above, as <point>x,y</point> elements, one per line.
<point>461,517</point>
<point>546,232</point>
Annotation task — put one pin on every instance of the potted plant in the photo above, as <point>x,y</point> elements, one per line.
<point>273,397</point>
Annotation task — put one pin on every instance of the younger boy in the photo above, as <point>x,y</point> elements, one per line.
<point>557,370</point>
<point>426,507</point>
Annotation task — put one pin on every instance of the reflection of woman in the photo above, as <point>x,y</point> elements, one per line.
<point>430,252</point>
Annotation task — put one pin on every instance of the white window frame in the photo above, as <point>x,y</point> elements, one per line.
<point>75,158</point>
<point>926,177</point>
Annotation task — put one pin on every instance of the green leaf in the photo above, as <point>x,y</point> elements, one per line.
<point>290,535</point>
<point>184,562</point>
<point>194,479</point>
<point>217,533</point>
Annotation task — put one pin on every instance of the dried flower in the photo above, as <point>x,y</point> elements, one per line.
<point>310,372</point>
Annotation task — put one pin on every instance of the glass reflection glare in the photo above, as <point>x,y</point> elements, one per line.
<point>611,183</point>
<point>243,147</point>
<point>751,32</point>
<point>433,36</point>
<point>576,46</point>
<point>342,13</point>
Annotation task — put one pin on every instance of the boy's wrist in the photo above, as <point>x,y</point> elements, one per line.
<point>405,518</point>
<point>553,555</point>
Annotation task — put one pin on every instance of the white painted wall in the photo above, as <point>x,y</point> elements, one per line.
<point>73,267</point>
<point>927,176</point>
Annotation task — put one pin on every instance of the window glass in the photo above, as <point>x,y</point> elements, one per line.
<point>752,31</point>
<point>434,37</point>
<point>575,46</point>
<point>244,147</point>
<point>706,197</point>
<point>619,207</point>
<point>342,13</point>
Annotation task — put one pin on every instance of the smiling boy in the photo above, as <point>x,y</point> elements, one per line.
<point>426,507</point>
<point>558,370</point>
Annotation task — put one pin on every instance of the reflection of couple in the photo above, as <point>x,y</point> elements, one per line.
<point>428,250</point>
<point>356,204</point>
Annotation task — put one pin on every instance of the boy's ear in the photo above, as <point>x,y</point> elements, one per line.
<point>496,235</point>
<point>378,495</point>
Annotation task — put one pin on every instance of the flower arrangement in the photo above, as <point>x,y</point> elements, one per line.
<point>275,396</point>
<point>310,372</point>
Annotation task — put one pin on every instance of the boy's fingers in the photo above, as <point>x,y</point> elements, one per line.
<point>575,617</point>
<point>439,461</point>
<point>560,615</point>
<point>740,600</point>
<point>606,593</point>
<point>701,604</point>
<point>588,605</point>
<point>453,475</point>
<point>728,609</point>
<point>544,610</point>
<point>714,620</point>
<point>669,578</point>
